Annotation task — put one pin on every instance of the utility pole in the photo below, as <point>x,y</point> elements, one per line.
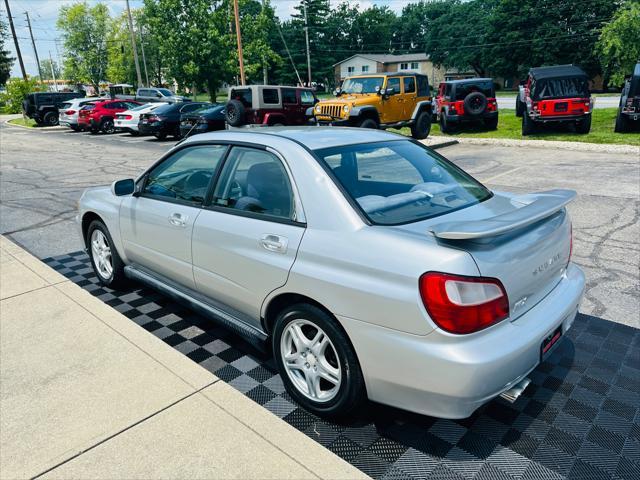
<point>265,76</point>
<point>239,39</point>
<point>144,59</point>
<point>133,46</point>
<point>35,50</point>
<point>53,73</point>
<point>306,34</point>
<point>15,40</point>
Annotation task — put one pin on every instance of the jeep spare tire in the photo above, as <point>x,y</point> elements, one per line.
<point>475,103</point>
<point>234,113</point>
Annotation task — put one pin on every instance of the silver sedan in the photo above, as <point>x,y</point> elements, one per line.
<point>369,264</point>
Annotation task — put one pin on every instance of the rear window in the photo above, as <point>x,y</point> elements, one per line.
<point>244,95</point>
<point>560,88</point>
<point>464,89</point>
<point>64,106</point>
<point>401,182</point>
<point>166,108</point>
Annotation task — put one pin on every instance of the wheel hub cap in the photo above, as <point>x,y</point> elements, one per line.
<point>101,253</point>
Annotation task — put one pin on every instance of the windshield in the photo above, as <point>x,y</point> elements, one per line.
<point>362,85</point>
<point>165,92</point>
<point>400,181</point>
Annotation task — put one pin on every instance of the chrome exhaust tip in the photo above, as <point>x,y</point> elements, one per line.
<point>514,392</point>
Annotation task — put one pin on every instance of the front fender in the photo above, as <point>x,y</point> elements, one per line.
<point>359,111</point>
<point>102,202</point>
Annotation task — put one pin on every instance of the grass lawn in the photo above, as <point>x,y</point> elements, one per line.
<point>25,122</point>
<point>510,126</point>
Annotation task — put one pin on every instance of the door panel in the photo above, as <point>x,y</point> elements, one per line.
<point>393,104</point>
<point>234,265</point>
<point>410,95</point>
<point>157,235</point>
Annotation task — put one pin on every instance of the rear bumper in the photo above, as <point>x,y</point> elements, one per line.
<point>149,128</point>
<point>450,376</point>
<point>559,118</point>
<point>633,116</point>
<point>470,119</point>
<point>126,125</point>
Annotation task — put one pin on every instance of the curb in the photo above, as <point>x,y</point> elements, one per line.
<point>436,146</point>
<point>33,129</point>
<point>573,146</point>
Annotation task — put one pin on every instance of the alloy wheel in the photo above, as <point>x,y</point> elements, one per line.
<point>101,253</point>
<point>311,361</point>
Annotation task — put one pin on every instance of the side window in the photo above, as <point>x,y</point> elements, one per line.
<point>270,95</point>
<point>289,95</point>
<point>186,174</point>
<point>409,84</point>
<point>244,95</point>
<point>306,97</point>
<point>255,181</point>
<point>394,82</point>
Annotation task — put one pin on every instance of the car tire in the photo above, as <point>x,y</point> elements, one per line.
<point>622,124</point>
<point>107,125</point>
<point>106,263</point>
<point>368,123</point>
<point>421,127</point>
<point>234,113</point>
<point>584,126</point>
<point>475,104</point>
<point>75,128</point>
<point>160,135</point>
<point>50,119</point>
<point>491,123</point>
<point>134,133</point>
<point>332,355</point>
<point>519,107</point>
<point>94,130</point>
<point>445,125</point>
<point>528,125</point>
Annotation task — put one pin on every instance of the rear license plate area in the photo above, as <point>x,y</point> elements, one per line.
<point>561,107</point>
<point>550,341</point>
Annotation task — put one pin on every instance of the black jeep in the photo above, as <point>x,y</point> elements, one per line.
<point>628,116</point>
<point>43,106</point>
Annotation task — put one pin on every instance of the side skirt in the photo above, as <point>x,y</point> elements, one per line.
<point>200,304</point>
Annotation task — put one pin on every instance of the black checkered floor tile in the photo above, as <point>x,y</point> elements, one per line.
<point>579,418</point>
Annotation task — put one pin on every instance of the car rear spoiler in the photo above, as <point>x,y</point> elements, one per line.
<point>535,207</point>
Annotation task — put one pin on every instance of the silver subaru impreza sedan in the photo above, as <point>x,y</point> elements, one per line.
<point>370,265</point>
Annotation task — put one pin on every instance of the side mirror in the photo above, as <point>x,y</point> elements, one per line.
<point>388,91</point>
<point>159,95</point>
<point>123,187</point>
<point>337,92</point>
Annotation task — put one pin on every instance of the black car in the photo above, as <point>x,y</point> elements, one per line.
<point>628,116</point>
<point>205,119</point>
<point>43,106</point>
<point>165,120</point>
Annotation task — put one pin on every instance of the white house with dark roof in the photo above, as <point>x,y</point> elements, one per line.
<point>362,64</point>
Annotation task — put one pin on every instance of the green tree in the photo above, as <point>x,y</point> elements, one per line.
<point>120,65</point>
<point>45,67</point>
<point>17,89</point>
<point>619,43</point>
<point>374,29</point>
<point>84,31</point>
<point>6,62</point>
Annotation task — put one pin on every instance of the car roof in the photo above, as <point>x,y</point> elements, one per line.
<point>312,137</point>
<point>468,80</point>
<point>557,71</point>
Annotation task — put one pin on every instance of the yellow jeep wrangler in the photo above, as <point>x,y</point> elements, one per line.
<point>381,100</point>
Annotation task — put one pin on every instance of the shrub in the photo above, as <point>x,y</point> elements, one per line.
<point>17,89</point>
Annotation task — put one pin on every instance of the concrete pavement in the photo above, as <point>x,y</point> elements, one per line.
<point>86,393</point>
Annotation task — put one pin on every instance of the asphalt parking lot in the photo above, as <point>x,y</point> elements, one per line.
<point>579,418</point>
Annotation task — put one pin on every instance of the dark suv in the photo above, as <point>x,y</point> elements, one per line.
<point>629,110</point>
<point>472,100</point>
<point>555,95</point>
<point>43,106</point>
<point>268,105</point>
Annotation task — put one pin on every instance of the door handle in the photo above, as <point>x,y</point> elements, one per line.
<point>274,243</point>
<point>178,219</point>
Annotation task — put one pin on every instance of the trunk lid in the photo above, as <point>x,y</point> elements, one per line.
<point>524,241</point>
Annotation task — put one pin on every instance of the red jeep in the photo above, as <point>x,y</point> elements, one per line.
<point>99,116</point>
<point>555,95</point>
<point>472,100</point>
<point>268,105</point>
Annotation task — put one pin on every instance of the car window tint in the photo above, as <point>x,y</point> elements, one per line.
<point>64,106</point>
<point>289,95</point>
<point>464,89</point>
<point>423,86</point>
<point>306,97</point>
<point>255,181</point>
<point>400,181</point>
<point>409,84</point>
<point>185,175</point>
<point>394,83</point>
<point>244,95</point>
<point>270,95</point>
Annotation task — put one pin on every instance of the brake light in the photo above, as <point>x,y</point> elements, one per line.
<point>570,243</point>
<point>128,117</point>
<point>460,304</point>
<point>153,118</point>
<point>69,112</point>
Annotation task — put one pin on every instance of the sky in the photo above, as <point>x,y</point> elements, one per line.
<point>43,14</point>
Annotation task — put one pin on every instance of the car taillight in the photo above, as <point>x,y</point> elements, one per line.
<point>460,304</point>
<point>127,117</point>
<point>570,243</point>
<point>153,118</point>
<point>69,112</point>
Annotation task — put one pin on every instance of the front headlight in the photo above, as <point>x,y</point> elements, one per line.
<point>346,109</point>
<point>318,108</point>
